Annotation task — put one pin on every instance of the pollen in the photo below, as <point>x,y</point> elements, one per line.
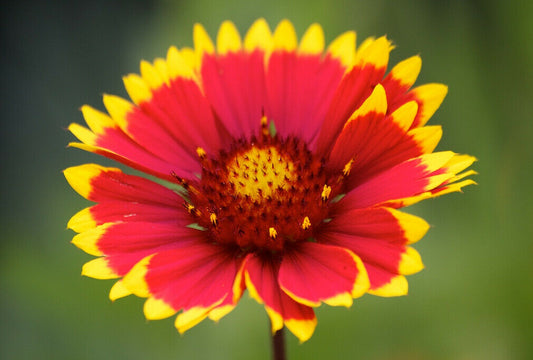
<point>326,191</point>
<point>201,152</point>
<point>347,168</point>
<point>213,218</point>
<point>306,224</point>
<point>260,172</point>
<point>272,233</point>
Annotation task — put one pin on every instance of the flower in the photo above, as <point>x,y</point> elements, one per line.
<point>281,166</point>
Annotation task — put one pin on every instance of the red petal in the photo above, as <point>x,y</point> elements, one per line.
<point>354,88</point>
<point>300,90</point>
<point>312,273</point>
<point>261,280</point>
<point>407,179</point>
<point>199,275</point>
<point>235,87</point>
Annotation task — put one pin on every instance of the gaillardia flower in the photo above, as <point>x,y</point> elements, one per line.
<point>283,163</point>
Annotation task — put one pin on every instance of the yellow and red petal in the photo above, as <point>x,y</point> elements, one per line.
<point>395,258</point>
<point>382,223</point>
<point>411,178</point>
<point>126,243</point>
<point>313,273</point>
<point>118,290</point>
<point>352,91</point>
<point>261,276</point>
<point>99,183</point>
<point>342,48</point>
<point>258,37</point>
<point>376,142</point>
<point>126,211</point>
<point>312,41</point>
<point>385,283</point>
<point>195,279</point>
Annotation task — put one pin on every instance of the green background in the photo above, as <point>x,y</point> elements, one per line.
<point>473,300</point>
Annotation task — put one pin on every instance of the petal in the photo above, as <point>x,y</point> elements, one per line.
<point>234,85</point>
<point>121,211</point>
<point>300,89</point>
<point>202,42</point>
<point>401,78</point>
<point>343,49</point>
<point>194,279</point>
<point>98,269</point>
<point>374,53</point>
<point>99,183</point>
<point>108,139</point>
<point>258,37</point>
<point>261,280</point>
<point>397,259</point>
<point>408,179</point>
<point>228,38</point>
<point>313,273</point>
<point>118,291</point>
<point>352,91</point>
<point>385,283</point>
<point>382,223</point>
<point>125,244</point>
<point>313,40</point>
<point>284,37</point>
<point>429,98</point>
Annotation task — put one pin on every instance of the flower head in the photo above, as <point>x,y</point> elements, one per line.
<point>285,164</point>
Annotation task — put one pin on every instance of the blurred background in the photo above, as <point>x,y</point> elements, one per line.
<point>473,300</point>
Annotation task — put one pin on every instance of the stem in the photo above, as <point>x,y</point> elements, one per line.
<point>278,345</point>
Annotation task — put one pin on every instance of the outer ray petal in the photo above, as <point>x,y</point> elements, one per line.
<point>178,65</point>
<point>427,138</point>
<point>375,54</point>
<point>261,281</point>
<point>284,37</point>
<point>406,71</point>
<point>405,115</point>
<point>228,38</point>
<point>419,175</point>
<point>313,273</point>
<point>235,87</point>
<point>151,76</point>
<point>258,37</point>
<point>137,88</point>
<point>395,258</point>
<point>429,98</point>
<point>202,42</point>
<point>391,225</point>
<point>313,40</point>
<point>356,85</point>
<point>99,183</point>
<point>98,269</point>
<point>302,97</point>
<point>156,309</point>
<point>386,284</point>
<point>195,278</point>
<point>118,291</point>
<point>115,211</point>
<point>343,49</point>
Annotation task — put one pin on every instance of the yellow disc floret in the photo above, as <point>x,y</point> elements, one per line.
<point>259,172</point>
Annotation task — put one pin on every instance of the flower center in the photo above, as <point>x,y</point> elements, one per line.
<point>264,193</point>
<point>260,172</point>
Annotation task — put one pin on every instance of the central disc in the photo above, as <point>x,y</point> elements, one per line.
<point>259,172</point>
<point>263,194</point>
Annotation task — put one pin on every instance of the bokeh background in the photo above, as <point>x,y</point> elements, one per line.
<point>473,300</point>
